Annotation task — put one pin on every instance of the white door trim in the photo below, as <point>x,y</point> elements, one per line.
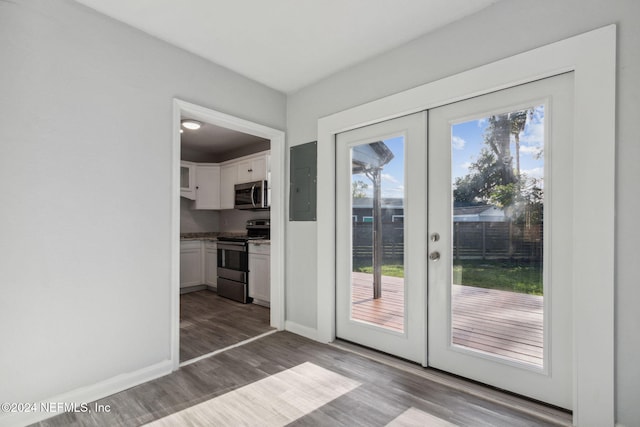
<point>592,57</point>
<point>278,179</point>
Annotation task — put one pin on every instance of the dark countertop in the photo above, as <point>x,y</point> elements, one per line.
<point>212,236</point>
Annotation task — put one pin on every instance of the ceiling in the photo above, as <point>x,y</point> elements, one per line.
<point>287,44</point>
<point>283,44</point>
<point>216,144</point>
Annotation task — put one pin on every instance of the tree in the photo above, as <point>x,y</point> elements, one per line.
<point>484,175</point>
<point>491,177</point>
<point>518,122</point>
<point>359,189</point>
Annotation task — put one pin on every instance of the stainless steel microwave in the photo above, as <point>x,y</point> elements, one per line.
<point>252,195</point>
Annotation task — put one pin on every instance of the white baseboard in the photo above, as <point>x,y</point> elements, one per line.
<point>85,395</point>
<point>304,331</point>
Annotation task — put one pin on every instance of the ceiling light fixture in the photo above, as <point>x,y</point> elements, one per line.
<point>191,124</point>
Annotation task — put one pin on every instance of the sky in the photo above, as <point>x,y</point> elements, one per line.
<point>466,143</point>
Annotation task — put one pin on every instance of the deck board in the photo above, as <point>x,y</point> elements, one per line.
<point>503,323</point>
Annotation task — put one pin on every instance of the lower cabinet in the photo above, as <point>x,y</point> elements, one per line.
<point>260,273</point>
<point>211,264</point>
<point>190,263</point>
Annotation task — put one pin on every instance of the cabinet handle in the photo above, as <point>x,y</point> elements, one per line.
<point>250,170</point>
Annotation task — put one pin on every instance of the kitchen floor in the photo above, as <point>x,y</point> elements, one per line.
<point>209,323</point>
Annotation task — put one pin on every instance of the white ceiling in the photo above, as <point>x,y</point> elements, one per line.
<point>287,44</point>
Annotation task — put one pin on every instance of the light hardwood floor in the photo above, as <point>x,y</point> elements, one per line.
<point>373,393</point>
<point>507,324</point>
<point>209,323</point>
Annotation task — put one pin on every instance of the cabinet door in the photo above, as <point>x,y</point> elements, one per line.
<point>260,277</point>
<point>190,263</point>
<point>245,171</point>
<point>210,264</point>
<point>228,179</point>
<point>253,169</point>
<point>259,168</point>
<point>187,180</point>
<point>207,187</point>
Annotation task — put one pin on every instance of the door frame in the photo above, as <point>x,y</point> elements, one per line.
<point>592,58</point>
<point>278,179</point>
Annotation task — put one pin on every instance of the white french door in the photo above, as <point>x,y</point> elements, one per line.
<point>381,273</point>
<point>500,217</point>
<point>452,248</point>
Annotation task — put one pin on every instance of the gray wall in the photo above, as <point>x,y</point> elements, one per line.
<point>85,183</point>
<point>507,28</point>
<point>197,221</point>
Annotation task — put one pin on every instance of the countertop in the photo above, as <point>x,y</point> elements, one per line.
<point>212,236</point>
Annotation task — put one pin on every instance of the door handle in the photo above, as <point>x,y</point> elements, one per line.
<point>434,256</point>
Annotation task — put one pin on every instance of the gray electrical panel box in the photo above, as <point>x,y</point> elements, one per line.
<point>303,175</point>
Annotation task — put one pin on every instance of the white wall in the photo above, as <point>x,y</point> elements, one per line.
<point>85,183</point>
<point>506,28</point>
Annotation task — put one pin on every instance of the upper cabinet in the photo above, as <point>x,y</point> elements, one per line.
<point>211,185</point>
<point>188,180</point>
<point>253,169</point>
<point>207,186</point>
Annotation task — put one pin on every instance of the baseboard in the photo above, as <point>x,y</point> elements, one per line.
<point>84,395</point>
<point>298,329</point>
<point>193,288</point>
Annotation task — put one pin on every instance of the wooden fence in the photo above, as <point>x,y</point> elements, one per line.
<point>471,240</point>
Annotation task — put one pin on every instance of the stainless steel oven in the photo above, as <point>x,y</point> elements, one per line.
<point>233,260</point>
<point>233,269</point>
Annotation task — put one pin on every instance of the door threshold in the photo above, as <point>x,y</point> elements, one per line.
<point>541,410</point>
<point>222,350</point>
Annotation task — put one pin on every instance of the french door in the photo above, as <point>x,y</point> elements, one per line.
<point>500,221</point>
<point>380,227</point>
<point>452,244</point>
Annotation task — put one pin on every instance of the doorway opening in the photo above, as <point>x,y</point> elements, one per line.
<point>215,157</point>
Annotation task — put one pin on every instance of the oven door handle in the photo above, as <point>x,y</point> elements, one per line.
<point>231,246</point>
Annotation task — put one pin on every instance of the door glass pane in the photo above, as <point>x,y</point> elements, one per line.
<point>377,224</point>
<point>497,260</point>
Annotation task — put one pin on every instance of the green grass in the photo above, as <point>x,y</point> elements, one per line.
<point>505,275</point>
<point>514,276</point>
<point>387,270</point>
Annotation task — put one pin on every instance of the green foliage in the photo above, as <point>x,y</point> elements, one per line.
<point>477,186</point>
<point>358,189</point>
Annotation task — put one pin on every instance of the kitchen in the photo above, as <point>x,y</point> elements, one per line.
<point>224,238</point>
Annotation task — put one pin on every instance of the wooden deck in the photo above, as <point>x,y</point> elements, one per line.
<point>502,323</point>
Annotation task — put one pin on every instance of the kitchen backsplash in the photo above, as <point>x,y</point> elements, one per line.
<point>194,221</point>
<point>236,221</point>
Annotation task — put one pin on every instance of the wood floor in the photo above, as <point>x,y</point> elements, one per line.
<point>506,324</point>
<point>285,373</point>
<point>209,323</point>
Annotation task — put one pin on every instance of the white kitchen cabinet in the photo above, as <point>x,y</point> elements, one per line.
<point>260,273</point>
<point>188,180</point>
<point>211,264</point>
<point>228,179</point>
<point>254,169</point>
<point>207,186</point>
<point>190,263</point>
